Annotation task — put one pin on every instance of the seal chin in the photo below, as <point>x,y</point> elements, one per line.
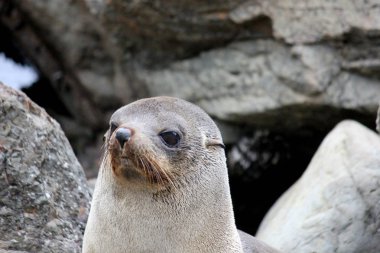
<point>130,173</point>
<point>123,167</point>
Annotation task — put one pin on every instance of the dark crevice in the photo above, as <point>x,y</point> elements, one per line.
<point>308,119</point>
<point>260,27</point>
<point>45,96</point>
<point>9,47</point>
<point>280,161</point>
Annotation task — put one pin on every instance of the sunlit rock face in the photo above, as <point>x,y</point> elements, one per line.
<point>334,206</point>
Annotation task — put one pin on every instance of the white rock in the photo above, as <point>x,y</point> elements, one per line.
<point>335,205</point>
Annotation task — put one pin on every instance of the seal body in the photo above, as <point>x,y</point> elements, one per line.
<point>163,184</point>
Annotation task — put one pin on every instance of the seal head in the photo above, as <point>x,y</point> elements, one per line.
<point>149,141</point>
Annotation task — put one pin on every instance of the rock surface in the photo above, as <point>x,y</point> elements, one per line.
<point>378,120</point>
<point>44,198</point>
<point>334,206</point>
<point>264,63</point>
<point>268,84</point>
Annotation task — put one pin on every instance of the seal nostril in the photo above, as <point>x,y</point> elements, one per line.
<point>123,135</point>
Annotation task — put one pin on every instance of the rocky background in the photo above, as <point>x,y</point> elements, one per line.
<point>276,76</point>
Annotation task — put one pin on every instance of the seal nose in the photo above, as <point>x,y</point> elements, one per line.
<point>123,135</point>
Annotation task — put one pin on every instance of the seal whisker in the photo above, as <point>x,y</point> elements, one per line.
<point>106,161</point>
<point>103,158</point>
<point>146,169</point>
<point>160,171</point>
<point>151,170</point>
<point>141,164</point>
<point>156,176</point>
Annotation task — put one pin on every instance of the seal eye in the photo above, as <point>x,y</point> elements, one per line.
<point>113,127</point>
<point>170,138</point>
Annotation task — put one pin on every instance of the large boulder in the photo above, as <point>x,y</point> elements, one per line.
<point>335,205</point>
<point>267,63</point>
<point>44,198</point>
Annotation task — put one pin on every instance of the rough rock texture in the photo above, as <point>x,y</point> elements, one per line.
<point>311,21</point>
<point>335,205</point>
<point>291,62</point>
<point>44,198</point>
<point>268,84</point>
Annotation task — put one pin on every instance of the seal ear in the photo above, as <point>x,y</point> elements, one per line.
<point>214,142</point>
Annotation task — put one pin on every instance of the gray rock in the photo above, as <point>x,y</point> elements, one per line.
<point>378,120</point>
<point>44,198</point>
<point>311,21</point>
<point>268,84</point>
<point>334,206</point>
<point>12,251</point>
<point>301,63</point>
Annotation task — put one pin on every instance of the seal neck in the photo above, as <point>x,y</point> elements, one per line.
<point>198,213</point>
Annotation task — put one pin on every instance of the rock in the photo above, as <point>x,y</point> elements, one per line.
<point>44,198</point>
<point>72,85</point>
<point>310,21</point>
<point>12,251</point>
<point>267,84</point>
<point>378,120</point>
<point>334,206</point>
<point>265,63</point>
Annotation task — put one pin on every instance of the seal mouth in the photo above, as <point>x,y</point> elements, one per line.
<point>136,162</point>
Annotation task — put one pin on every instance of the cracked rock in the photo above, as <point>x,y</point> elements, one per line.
<point>269,85</point>
<point>270,64</point>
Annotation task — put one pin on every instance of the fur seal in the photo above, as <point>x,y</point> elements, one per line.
<point>163,184</point>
